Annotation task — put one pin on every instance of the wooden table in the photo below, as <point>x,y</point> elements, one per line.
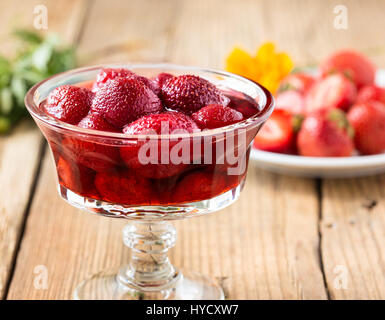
<point>286,237</point>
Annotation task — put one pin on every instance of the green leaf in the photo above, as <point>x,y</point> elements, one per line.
<point>6,102</point>
<point>37,59</point>
<point>19,89</point>
<point>5,124</point>
<point>28,36</point>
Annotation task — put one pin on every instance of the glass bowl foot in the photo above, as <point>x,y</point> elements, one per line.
<point>106,286</point>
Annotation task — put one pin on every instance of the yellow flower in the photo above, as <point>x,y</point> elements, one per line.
<point>267,67</point>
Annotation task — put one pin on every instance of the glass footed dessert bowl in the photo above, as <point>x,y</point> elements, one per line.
<point>176,147</point>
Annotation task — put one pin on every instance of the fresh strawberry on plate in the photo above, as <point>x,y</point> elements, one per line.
<point>353,64</point>
<point>277,134</point>
<point>326,133</point>
<point>299,81</point>
<point>333,91</point>
<point>348,84</point>
<point>292,101</point>
<point>368,121</point>
<point>371,92</point>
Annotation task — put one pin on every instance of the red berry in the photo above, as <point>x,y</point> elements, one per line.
<point>371,92</point>
<point>216,116</point>
<point>162,123</point>
<point>355,65</point>
<point>243,104</point>
<point>291,101</point>
<point>198,186</point>
<point>92,153</point>
<point>325,133</point>
<point>96,122</point>
<point>69,103</point>
<point>189,93</point>
<point>154,122</point>
<point>108,74</point>
<point>333,91</point>
<point>123,100</point>
<point>124,188</point>
<point>368,121</point>
<point>76,178</point>
<point>301,82</point>
<point>277,134</point>
<point>161,78</point>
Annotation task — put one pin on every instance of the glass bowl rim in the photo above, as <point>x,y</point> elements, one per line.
<point>257,119</point>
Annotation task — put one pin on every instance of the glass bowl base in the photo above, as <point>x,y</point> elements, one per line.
<point>106,286</point>
<point>154,212</point>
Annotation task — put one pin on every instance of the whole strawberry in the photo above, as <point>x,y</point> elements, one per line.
<point>299,81</point>
<point>123,100</point>
<point>371,92</point>
<point>96,122</point>
<point>69,103</point>
<point>216,116</point>
<point>92,154</point>
<point>325,133</point>
<point>352,63</point>
<point>199,185</point>
<point>108,74</point>
<point>333,91</point>
<point>291,101</point>
<point>124,188</point>
<point>189,93</point>
<point>76,177</point>
<point>160,163</point>
<point>161,78</point>
<point>154,123</point>
<point>368,121</point>
<point>278,133</point>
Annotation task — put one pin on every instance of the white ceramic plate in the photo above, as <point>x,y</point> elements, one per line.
<point>322,167</point>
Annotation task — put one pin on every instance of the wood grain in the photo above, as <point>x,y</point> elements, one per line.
<point>254,244</point>
<point>266,245</point>
<point>262,244</point>
<point>21,151</point>
<point>353,236</point>
<point>70,244</point>
<point>127,31</point>
<point>74,244</point>
<point>18,163</point>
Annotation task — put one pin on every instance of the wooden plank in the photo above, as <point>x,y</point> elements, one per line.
<point>20,151</point>
<point>19,157</point>
<point>70,244</point>
<point>254,244</point>
<point>265,245</point>
<point>74,244</point>
<point>353,236</point>
<point>131,31</point>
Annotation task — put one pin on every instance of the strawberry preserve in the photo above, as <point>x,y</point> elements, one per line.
<point>125,140</point>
